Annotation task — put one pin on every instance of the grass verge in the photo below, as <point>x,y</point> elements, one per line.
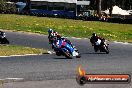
<point>8,50</point>
<point>1,82</point>
<point>67,27</point>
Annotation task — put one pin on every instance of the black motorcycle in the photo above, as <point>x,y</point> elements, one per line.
<point>102,47</point>
<point>3,39</point>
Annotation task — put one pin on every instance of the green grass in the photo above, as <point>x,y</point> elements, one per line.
<point>7,50</point>
<point>67,27</point>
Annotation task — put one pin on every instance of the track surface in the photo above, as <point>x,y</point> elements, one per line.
<point>51,69</point>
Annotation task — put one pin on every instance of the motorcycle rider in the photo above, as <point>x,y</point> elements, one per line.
<point>50,31</point>
<point>2,34</point>
<point>54,37</point>
<point>96,40</point>
<point>59,42</point>
<point>50,36</point>
<point>65,40</point>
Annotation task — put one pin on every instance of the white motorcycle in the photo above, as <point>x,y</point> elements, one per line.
<point>102,46</point>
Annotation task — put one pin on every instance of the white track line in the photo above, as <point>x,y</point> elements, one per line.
<point>21,55</point>
<point>14,78</point>
<point>49,52</point>
<point>76,38</point>
<point>7,80</point>
<point>125,43</point>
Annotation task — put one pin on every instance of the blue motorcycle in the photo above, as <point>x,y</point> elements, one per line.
<point>65,49</point>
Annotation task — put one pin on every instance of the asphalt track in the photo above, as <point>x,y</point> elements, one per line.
<point>51,71</point>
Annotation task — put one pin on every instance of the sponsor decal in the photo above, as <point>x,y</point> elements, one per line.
<point>83,78</point>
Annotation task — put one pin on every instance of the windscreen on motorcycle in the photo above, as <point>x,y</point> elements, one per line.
<point>98,42</point>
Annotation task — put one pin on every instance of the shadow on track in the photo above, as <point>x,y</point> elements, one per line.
<point>62,58</point>
<point>94,53</point>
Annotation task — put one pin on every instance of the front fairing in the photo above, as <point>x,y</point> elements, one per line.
<point>66,46</point>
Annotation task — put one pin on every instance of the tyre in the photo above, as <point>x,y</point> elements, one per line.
<point>58,53</point>
<point>106,49</point>
<point>67,54</point>
<point>79,55</point>
<point>95,48</point>
<point>4,41</point>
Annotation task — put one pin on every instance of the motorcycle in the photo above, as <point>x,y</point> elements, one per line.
<point>102,46</point>
<point>3,39</point>
<point>63,48</point>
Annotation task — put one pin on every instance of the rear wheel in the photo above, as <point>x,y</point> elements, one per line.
<point>58,53</point>
<point>95,48</point>
<point>4,41</point>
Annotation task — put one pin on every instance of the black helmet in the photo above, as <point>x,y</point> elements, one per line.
<point>94,34</point>
<point>58,37</point>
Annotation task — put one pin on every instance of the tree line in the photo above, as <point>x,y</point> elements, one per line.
<point>7,7</point>
<point>95,5</point>
<point>105,4</point>
<point>100,5</point>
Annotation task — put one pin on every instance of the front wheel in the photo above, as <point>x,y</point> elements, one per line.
<point>4,41</point>
<point>79,55</point>
<point>106,49</point>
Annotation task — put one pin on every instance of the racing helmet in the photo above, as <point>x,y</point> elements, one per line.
<point>50,31</point>
<point>94,34</point>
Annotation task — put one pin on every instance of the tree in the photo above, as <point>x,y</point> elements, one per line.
<point>2,5</point>
<point>99,7</point>
<point>7,7</point>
